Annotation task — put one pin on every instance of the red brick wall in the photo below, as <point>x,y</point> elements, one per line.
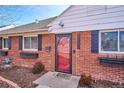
<point>84,61</point>
<point>46,58</point>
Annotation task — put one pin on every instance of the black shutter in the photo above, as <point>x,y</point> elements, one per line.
<point>39,42</point>
<point>95,41</point>
<point>0,42</point>
<point>9,43</point>
<point>20,42</point>
<point>78,40</point>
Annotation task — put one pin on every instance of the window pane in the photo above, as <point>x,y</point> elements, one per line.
<point>27,42</point>
<point>34,43</point>
<point>109,41</point>
<point>121,41</point>
<point>6,42</point>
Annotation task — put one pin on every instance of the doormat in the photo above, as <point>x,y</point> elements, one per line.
<point>63,76</point>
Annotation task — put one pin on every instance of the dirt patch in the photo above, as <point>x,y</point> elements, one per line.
<point>104,84</point>
<point>21,75</point>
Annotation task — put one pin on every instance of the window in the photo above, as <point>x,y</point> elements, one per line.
<point>112,41</point>
<point>34,43</point>
<point>30,43</point>
<point>109,41</point>
<point>5,43</point>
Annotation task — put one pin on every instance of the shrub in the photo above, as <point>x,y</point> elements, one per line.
<point>85,80</point>
<point>37,68</point>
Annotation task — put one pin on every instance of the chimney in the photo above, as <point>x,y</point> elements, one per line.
<point>36,21</point>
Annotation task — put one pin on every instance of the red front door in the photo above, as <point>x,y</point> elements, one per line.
<point>63,53</point>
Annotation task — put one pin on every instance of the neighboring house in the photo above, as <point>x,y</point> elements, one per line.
<point>83,39</point>
<point>5,27</point>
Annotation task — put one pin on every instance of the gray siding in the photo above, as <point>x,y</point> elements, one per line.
<point>95,17</point>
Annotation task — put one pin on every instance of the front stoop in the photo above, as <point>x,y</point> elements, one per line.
<point>57,80</point>
<point>42,86</point>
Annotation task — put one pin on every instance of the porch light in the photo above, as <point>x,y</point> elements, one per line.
<point>61,23</point>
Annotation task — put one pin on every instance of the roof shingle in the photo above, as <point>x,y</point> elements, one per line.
<point>29,27</point>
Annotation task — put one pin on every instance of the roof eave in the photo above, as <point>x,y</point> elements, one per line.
<point>30,31</point>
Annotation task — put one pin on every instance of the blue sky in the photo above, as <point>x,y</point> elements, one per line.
<point>20,15</point>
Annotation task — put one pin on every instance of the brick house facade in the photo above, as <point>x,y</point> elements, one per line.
<point>83,60</point>
<point>87,62</point>
<point>84,52</point>
<point>46,58</point>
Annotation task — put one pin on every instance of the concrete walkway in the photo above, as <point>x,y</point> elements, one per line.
<point>57,80</point>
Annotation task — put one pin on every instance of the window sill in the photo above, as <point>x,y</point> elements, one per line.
<point>111,52</point>
<point>30,49</point>
<point>5,49</point>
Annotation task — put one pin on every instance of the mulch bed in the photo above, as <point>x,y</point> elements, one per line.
<point>20,75</point>
<point>107,84</point>
<point>24,78</point>
<point>4,85</point>
<point>103,84</point>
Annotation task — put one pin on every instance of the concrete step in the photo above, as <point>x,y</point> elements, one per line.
<point>58,80</point>
<point>42,86</point>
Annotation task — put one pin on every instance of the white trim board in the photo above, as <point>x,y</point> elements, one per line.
<point>3,43</point>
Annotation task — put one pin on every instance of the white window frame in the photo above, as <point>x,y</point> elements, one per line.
<point>3,43</point>
<point>30,43</point>
<point>116,52</point>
